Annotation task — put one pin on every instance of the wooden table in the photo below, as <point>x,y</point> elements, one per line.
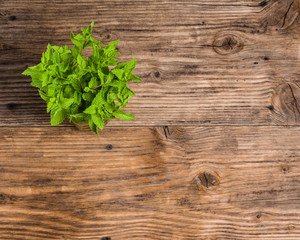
<point>213,153</point>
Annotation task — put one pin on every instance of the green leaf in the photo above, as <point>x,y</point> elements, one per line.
<point>111,47</point>
<point>57,116</point>
<point>77,98</point>
<point>109,107</point>
<point>36,74</point>
<point>90,28</point>
<point>44,96</point>
<point>81,62</point>
<point>129,66</point>
<point>93,82</point>
<point>112,97</point>
<point>98,100</point>
<point>68,91</point>
<point>76,41</point>
<point>98,121</point>
<point>122,115</point>
<point>91,110</point>
<point>51,89</point>
<point>79,117</point>
<point>50,106</point>
<point>55,57</point>
<point>44,78</point>
<point>101,76</point>
<point>132,77</point>
<point>75,82</point>
<point>89,96</point>
<point>49,53</point>
<point>93,126</point>
<point>119,73</point>
<point>65,102</point>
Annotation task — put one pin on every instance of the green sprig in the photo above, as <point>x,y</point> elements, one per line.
<point>83,89</point>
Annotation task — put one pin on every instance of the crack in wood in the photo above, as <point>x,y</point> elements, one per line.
<point>285,101</point>
<point>294,102</point>
<point>166,131</point>
<point>285,15</point>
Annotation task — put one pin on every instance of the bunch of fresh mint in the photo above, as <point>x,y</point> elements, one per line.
<point>83,89</point>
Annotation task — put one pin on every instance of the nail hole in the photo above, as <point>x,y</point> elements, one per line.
<point>255,63</point>
<point>109,147</point>
<point>12,18</point>
<point>266,58</point>
<point>258,216</point>
<point>285,169</point>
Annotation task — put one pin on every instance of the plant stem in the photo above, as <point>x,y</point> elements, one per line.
<point>79,80</point>
<point>97,86</point>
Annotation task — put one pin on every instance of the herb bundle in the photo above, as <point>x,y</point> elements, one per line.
<point>83,89</point>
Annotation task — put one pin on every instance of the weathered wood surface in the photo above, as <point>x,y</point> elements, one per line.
<point>213,153</point>
<point>150,183</point>
<point>203,62</point>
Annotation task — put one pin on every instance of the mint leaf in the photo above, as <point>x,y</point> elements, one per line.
<point>98,121</point>
<point>119,73</point>
<point>93,82</point>
<point>98,100</point>
<point>132,77</point>
<point>65,102</point>
<point>79,117</point>
<point>122,115</point>
<point>78,43</point>
<point>44,96</point>
<point>93,126</point>
<point>81,62</point>
<point>91,109</point>
<point>57,116</point>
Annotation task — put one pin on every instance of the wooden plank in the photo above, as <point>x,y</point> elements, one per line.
<point>230,182</point>
<point>202,62</point>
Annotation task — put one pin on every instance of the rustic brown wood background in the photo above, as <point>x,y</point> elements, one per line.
<point>214,152</point>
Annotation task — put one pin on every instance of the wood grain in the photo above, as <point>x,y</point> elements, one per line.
<point>150,183</point>
<point>202,62</point>
<point>214,151</point>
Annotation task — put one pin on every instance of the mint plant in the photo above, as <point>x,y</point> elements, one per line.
<point>80,89</point>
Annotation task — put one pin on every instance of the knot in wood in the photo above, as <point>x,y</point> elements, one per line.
<point>206,180</point>
<point>3,12</point>
<point>227,44</point>
<point>4,46</point>
<point>282,14</point>
<point>7,199</point>
<point>109,147</point>
<point>11,106</point>
<point>286,103</point>
<point>107,36</point>
<point>156,75</point>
